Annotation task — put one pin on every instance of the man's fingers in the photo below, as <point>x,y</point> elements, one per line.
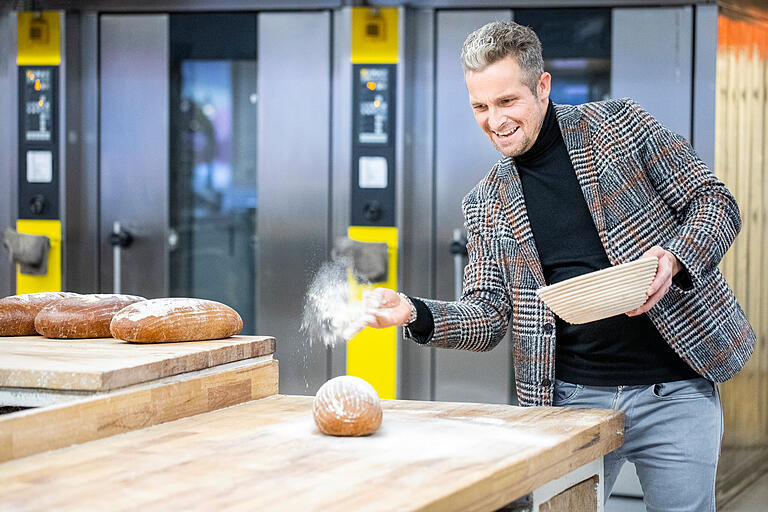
<point>382,318</point>
<point>377,318</point>
<point>648,304</point>
<point>372,298</point>
<point>663,274</point>
<point>380,297</point>
<point>652,300</point>
<point>658,282</point>
<point>661,282</point>
<point>355,327</point>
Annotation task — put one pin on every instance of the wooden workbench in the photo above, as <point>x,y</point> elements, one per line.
<point>268,455</point>
<point>81,390</point>
<point>36,371</point>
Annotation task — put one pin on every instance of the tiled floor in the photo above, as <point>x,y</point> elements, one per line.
<point>753,499</point>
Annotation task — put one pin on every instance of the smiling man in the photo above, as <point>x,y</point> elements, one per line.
<point>578,189</point>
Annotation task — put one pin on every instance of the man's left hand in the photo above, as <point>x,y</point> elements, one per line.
<point>666,270</point>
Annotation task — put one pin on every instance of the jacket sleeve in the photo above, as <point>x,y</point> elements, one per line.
<point>707,214</point>
<point>479,320</point>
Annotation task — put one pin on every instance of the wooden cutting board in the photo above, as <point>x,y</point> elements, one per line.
<point>268,455</point>
<point>107,363</point>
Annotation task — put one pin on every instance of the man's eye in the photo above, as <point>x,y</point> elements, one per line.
<point>478,107</point>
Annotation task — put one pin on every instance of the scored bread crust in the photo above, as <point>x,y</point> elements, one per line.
<point>85,316</point>
<point>176,319</point>
<point>347,406</point>
<point>18,312</point>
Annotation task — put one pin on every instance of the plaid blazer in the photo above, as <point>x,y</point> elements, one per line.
<point>644,186</point>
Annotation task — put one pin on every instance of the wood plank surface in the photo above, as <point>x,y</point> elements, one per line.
<point>107,363</point>
<point>37,430</point>
<point>268,455</point>
<point>741,153</point>
<point>741,137</point>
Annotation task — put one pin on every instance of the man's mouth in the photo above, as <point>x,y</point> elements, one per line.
<point>508,133</point>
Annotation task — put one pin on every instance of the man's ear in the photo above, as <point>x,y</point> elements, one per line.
<point>544,86</point>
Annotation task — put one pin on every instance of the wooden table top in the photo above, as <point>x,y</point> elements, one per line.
<point>106,363</point>
<point>268,455</point>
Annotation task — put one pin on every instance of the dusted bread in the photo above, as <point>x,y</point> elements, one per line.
<point>347,406</point>
<point>18,312</point>
<point>84,316</point>
<point>176,319</point>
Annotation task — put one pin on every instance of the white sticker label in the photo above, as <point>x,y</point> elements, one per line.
<point>39,167</point>
<point>372,172</point>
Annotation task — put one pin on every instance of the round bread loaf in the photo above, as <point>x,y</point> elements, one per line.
<point>347,406</point>
<point>18,312</point>
<point>176,319</point>
<point>84,316</point>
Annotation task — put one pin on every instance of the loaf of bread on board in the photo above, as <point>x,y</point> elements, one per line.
<point>347,406</point>
<point>176,319</point>
<point>18,312</point>
<point>84,316</point>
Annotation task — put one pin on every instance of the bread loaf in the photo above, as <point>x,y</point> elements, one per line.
<point>84,316</point>
<point>347,406</point>
<point>176,319</point>
<point>18,312</point>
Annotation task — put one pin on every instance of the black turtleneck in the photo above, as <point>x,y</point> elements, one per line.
<point>620,350</point>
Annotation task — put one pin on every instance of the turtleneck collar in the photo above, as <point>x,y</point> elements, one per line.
<point>548,136</point>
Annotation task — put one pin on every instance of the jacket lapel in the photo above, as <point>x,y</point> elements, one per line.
<point>513,204</point>
<point>576,135</point>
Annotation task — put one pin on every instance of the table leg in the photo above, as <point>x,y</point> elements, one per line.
<point>581,489</point>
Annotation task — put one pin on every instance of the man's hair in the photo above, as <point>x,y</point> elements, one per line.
<point>499,39</point>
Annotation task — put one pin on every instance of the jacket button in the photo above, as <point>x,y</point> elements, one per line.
<point>546,383</point>
<point>548,328</point>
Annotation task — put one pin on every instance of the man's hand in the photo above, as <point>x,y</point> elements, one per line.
<point>385,307</point>
<point>382,308</point>
<point>666,270</point>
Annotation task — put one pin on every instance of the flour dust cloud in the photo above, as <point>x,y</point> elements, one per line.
<point>329,317</point>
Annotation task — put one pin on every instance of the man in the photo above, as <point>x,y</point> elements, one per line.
<point>578,189</point>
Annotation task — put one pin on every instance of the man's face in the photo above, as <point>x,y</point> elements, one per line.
<point>505,108</point>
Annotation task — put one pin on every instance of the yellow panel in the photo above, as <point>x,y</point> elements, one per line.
<point>38,39</point>
<point>372,354</point>
<point>50,282</point>
<point>374,35</point>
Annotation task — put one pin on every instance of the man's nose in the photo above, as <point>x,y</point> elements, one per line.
<point>496,118</point>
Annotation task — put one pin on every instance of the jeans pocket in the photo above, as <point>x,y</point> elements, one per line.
<point>565,392</point>
<point>684,389</point>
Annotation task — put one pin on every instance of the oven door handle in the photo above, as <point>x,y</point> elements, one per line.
<point>118,239</point>
<point>459,251</point>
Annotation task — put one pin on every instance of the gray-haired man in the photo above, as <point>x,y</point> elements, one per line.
<point>580,188</point>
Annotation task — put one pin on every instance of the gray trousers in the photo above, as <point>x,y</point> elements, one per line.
<point>672,434</point>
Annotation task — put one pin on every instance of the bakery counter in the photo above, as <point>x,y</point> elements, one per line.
<point>37,371</point>
<point>267,454</point>
<point>79,390</point>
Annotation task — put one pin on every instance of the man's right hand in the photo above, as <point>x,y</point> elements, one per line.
<point>382,308</point>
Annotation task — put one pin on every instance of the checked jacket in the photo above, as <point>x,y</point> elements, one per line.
<point>644,186</point>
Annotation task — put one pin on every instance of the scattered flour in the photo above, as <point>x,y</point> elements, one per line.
<point>162,307</point>
<point>95,297</point>
<point>409,436</point>
<point>25,298</point>
<point>329,316</point>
